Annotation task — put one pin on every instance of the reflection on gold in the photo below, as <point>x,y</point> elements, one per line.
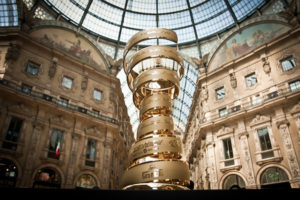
<point>153,75</point>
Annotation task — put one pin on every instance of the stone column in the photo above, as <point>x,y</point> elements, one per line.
<point>75,138</point>
<point>283,127</point>
<point>246,156</point>
<point>211,161</point>
<point>32,156</point>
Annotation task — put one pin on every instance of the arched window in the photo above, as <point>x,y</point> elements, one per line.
<point>47,178</point>
<point>233,182</point>
<point>8,173</point>
<point>86,181</point>
<point>273,175</point>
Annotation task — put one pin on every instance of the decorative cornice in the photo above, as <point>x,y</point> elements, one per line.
<point>259,119</point>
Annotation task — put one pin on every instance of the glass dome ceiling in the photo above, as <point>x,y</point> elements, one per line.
<point>192,20</point>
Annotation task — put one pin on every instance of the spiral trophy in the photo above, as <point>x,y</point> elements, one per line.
<point>153,75</point>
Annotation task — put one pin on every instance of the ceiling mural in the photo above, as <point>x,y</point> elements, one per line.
<point>241,43</point>
<point>68,42</point>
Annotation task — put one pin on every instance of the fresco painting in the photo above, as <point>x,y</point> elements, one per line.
<point>249,39</point>
<point>69,43</point>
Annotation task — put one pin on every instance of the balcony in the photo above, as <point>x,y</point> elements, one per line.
<point>55,101</point>
<point>270,155</point>
<point>245,105</point>
<point>230,164</point>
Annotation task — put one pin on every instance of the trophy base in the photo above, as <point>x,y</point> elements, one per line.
<point>155,186</point>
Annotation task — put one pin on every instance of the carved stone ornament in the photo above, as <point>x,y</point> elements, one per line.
<point>13,52</point>
<point>84,83</point>
<point>114,64</point>
<point>290,13</point>
<point>201,63</point>
<point>224,131</point>
<point>204,93</point>
<point>266,65</point>
<point>52,68</point>
<point>233,81</point>
<point>259,119</point>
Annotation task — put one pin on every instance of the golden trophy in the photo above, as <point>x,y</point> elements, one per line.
<point>153,75</point>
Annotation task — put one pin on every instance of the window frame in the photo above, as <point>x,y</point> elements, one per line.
<point>100,92</point>
<point>288,59</point>
<point>250,76</point>
<point>297,86</point>
<point>66,83</point>
<point>217,93</point>
<point>32,66</point>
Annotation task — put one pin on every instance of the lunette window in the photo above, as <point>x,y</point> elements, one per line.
<point>288,64</point>
<point>32,68</point>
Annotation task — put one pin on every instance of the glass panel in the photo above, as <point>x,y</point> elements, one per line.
<point>228,153</point>
<point>8,173</point>
<point>91,149</point>
<point>294,86</point>
<point>251,79</point>
<point>264,139</point>
<point>63,102</point>
<point>32,68</point>
<point>14,128</point>
<point>26,89</point>
<point>288,64</point>
<point>233,182</point>
<point>67,82</point>
<point>222,112</point>
<point>70,9</point>
<point>220,93</point>
<point>55,144</point>
<point>244,8</point>
<point>8,13</point>
<point>273,175</point>
<point>97,95</point>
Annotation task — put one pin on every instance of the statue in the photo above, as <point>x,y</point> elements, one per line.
<point>114,64</point>
<point>201,63</point>
<point>290,13</point>
<point>233,81</point>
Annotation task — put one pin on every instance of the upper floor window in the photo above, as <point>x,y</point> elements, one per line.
<point>222,112</point>
<point>256,99</point>
<point>228,153</point>
<point>26,88</point>
<point>265,142</point>
<point>288,64</point>
<point>95,113</point>
<point>90,153</point>
<point>12,134</point>
<point>295,85</point>
<point>63,102</point>
<point>32,68</point>
<point>97,94</point>
<point>220,92</point>
<point>251,79</point>
<point>67,82</point>
<point>55,144</point>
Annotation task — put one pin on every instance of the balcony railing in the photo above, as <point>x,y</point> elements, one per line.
<point>55,101</point>
<point>247,105</point>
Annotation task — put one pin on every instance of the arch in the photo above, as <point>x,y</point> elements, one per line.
<point>44,166</point>
<point>87,173</point>
<point>48,24</point>
<point>225,176</point>
<point>8,173</point>
<point>20,171</point>
<point>263,169</point>
<point>213,63</point>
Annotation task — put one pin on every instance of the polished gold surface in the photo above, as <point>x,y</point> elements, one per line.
<point>166,171</point>
<point>157,103</point>
<point>156,147</point>
<point>158,124</point>
<point>153,75</point>
<point>153,33</point>
<point>155,186</point>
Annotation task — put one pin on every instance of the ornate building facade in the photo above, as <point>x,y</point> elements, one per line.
<point>244,122</point>
<point>64,123</point>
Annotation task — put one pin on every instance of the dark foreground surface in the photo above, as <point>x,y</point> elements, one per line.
<point>142,195</point>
